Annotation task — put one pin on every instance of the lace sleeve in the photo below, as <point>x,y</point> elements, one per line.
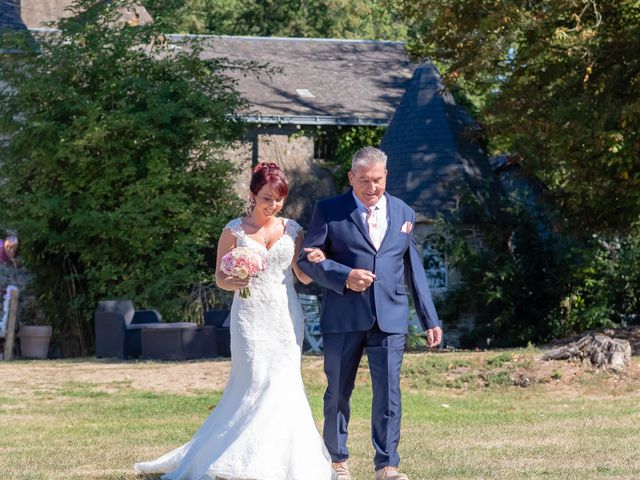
<point>293,228</point>
<point>235,227</point>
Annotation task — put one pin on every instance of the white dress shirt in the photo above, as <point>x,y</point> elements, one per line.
<point>379,210</point>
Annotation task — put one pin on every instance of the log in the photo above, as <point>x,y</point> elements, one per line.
<point>600,350</point>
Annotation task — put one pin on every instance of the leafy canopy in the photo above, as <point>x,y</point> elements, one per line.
<point>367,19</point>
<point>559,83</point>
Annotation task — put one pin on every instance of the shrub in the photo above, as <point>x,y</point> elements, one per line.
<point>531,282</point>
<point>112,173</point>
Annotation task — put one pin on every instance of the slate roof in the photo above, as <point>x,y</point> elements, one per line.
<point>432,148</point>
<point>517,181</point>
<point>352,82</point>
<point>10,18</point>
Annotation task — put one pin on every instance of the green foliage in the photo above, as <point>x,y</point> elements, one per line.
<point>367,19</point>
<point>498,379</point>
<point>529,282</point>
<point>112,174</point>
<point>415,340</point>
<point>602,286</point>
<point>500,360</point>
<point>558,83</point>
<point>506,282</point>
<point>347,141</point>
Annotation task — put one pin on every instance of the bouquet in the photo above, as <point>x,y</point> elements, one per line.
<point>243,262</point>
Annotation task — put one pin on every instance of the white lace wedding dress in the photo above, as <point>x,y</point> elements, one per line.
<point>262,428</point>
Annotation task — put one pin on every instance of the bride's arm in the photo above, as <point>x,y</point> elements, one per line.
<point>226,243</point>
<point>315,255</point>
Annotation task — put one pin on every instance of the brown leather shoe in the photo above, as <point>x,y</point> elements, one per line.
<point>342,470</point>
<point>389,473</point>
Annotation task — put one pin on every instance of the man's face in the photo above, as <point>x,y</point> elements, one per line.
<point>368,183</point>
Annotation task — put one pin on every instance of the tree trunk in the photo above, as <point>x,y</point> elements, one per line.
<point>599,349</point>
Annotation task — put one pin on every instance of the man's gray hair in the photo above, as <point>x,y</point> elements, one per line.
<point>368,156</point>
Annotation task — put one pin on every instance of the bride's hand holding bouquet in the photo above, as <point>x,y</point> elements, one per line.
<point>242,264</point>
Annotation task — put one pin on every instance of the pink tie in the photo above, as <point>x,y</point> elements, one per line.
<point>374,227</point>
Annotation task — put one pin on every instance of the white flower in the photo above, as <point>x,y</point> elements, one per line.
<point>242,273</point>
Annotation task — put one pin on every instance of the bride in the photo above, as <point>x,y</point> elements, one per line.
<point>262,427</point>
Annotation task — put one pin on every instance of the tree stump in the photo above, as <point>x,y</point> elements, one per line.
<point>599,349</point>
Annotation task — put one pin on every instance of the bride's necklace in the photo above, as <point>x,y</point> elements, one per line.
<point>265,241</point>
<point>264,237</point>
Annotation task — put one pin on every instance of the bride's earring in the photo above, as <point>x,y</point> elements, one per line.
<point>252,206</point>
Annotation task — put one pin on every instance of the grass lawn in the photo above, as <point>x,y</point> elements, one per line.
<point>477,415</point>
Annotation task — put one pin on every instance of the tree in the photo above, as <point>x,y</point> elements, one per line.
<point>560,85</point>
<point>111,167</point>
<point>366,19</point>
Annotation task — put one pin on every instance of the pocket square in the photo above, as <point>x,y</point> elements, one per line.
<point>406,227</point>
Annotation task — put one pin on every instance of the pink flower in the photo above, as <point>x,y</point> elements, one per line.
<point>243,262</point>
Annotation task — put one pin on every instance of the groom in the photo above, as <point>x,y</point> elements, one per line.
<point>371,258</point>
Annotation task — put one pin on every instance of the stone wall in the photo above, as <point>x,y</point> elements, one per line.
<point>241,154</point>
<point>293,152</point>
<point>453,329</point>
<point>38,13</point>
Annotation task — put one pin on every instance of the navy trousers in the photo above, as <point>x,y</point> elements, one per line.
<point>342,354</point>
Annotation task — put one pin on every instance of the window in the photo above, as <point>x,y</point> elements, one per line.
<point>435,262</point>
<point>325,143</point>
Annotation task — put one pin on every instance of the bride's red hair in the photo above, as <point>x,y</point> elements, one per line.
<point>269,174</point>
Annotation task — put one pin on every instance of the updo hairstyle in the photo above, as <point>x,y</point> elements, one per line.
<point>269,174</point>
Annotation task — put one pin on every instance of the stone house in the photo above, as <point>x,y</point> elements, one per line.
<point>317,86</point>
<point>435,152</point>
<point>432,144</point>
<point>435,149</point>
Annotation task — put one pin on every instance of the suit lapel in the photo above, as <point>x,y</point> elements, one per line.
<point>393,225</point>
<point>352,209</point>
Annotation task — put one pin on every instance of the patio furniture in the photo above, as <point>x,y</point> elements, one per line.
<point>219,319</point>
<point>178,341</point>
<point>311,308</point>
<point>118,328</point>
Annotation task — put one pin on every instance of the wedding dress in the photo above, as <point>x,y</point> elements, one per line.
<point>262,427</point>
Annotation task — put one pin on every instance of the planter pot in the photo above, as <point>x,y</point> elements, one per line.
<point>34,340</point>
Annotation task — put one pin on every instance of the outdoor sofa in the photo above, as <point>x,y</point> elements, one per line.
<point>124,332</point>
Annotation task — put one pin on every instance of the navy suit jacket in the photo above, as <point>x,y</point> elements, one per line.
<point>339,231</point>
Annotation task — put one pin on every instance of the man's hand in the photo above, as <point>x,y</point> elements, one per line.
<point>359,280</point>
<point>434,337</point>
